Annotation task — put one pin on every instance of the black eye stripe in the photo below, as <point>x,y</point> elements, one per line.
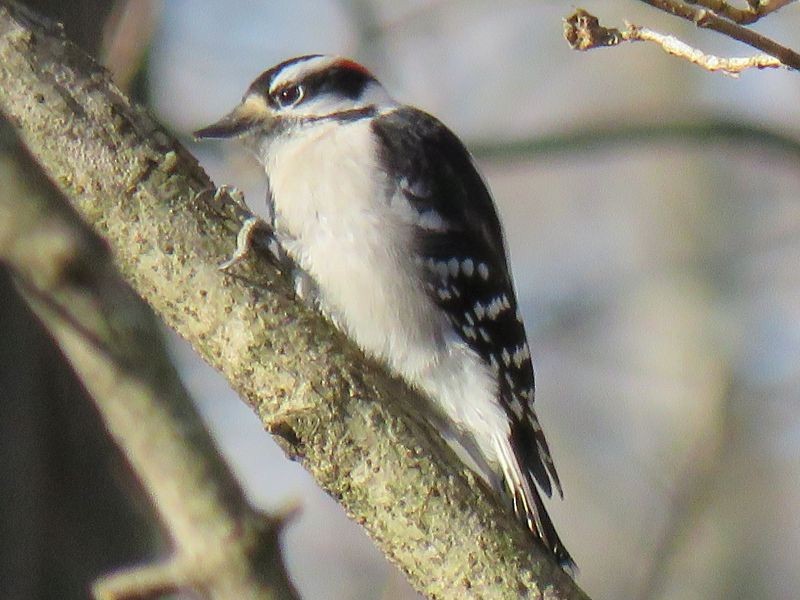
<point>340,81</point>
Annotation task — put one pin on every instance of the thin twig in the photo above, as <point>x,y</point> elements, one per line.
<point>709,62</point>
<point>584,32</point>
<point>744,16</point>
<point>707,19</point>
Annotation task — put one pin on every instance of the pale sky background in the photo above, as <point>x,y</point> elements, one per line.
<point>659,280</point>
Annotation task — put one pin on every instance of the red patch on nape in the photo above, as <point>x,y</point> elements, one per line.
<point>352,65</point>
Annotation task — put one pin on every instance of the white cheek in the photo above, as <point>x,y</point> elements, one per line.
<point>375,95</point>
<point>324,105</point>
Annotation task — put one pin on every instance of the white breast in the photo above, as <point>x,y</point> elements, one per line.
<point>331,201</point>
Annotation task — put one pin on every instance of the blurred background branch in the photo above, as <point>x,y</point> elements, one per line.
<point>56,459</point>
<point>710,132</point>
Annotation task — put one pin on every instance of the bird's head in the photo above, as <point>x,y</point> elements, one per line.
<point>300,93</point>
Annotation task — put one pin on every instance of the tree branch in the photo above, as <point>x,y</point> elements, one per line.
<point>112,341</point>
<point>583,31</point>
<point>754,10</point>
<point>706,19</point>
<point>353,426</point>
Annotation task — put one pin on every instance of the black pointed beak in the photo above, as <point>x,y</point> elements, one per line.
<point>239,121</point>
<point>231,125</point>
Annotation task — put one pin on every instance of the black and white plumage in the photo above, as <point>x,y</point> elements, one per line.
<point>381,207</point>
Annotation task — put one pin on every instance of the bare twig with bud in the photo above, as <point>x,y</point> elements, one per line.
<point>584,32</point>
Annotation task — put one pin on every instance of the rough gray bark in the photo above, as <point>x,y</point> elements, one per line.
<point>351,424</point>
<point>221,546</point>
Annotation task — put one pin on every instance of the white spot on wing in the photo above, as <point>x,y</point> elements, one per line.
<point>497,306</point>
<point>430,220</point>
<point>506,357</point>
<point>521,354</point>
<point>438,267</point>
<point>493,310</point>
<point>516,407</point>
<point>483,271</point>
<point>480,310</point>
<point>453,266</point>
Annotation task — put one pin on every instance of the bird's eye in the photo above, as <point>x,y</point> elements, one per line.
<point>289,95</point>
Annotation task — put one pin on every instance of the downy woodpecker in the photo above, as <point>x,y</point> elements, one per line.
<point>398,243</point>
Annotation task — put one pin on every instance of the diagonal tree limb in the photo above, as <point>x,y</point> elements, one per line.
<point>223,546</point>
<point>353,426</point>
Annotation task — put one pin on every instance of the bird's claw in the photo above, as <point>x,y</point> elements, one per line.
<point>244,242</point>
<point>234,194</point>
<point>245,239</point>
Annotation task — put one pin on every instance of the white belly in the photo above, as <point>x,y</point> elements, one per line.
<point>357,248</point>
<point>352,246</point>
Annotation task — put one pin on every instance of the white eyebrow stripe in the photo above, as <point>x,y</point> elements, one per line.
<point>301,69</point>
<point>320,105</point>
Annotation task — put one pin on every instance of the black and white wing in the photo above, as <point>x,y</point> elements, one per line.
<point>460,244</point>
